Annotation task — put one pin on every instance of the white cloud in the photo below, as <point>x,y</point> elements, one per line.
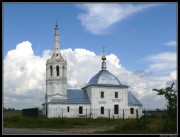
<point>99,17</point>
<point>22,87</point>
<point>163,57</point>
<point>171,43</point>
<point>173,74</point>
<point>162,61</point>
<point>20,82</point>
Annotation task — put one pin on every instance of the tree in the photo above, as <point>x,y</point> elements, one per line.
<point>9,109</point>
<point>171,97</point>
<point>170,94</point>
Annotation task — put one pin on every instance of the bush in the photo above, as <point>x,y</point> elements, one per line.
<point>136,124</point>
<point>169,126</point>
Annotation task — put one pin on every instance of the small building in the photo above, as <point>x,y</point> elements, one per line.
<point>104,96</point>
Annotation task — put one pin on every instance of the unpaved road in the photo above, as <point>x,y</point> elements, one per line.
<point>78,130</point>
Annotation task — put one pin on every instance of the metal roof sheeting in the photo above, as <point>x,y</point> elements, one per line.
<point>132,100</point>
<point>79,96</point>
<point>104,78</point>
<point>74,96</point>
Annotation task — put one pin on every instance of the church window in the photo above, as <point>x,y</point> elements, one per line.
<point>131,110</point>
<point>116,109</point>
<point>56,54</point>
<point>116,94</point>
<point>68,109</point>
<point>80,110</point>
<point>51,70</point>
<point>57,70</point>
<point>102,94</point>
<point>102,110</point>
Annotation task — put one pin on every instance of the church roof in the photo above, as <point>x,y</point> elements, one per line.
<point>79,96</point>
<point>132,100</point>
<point>104,78</point>
<point>74,96</point>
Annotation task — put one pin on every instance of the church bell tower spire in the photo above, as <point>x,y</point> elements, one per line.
<point>56,51</point>
<point>56,73</point>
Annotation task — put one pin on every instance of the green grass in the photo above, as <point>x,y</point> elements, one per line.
<point>149,125</point>
<point>44,122</point>
<point>12,113</point>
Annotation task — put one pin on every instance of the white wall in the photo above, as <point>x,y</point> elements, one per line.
<point>109,99</point>
<point>60,110</point>
<point>93,110</point>
<point>108,102</point>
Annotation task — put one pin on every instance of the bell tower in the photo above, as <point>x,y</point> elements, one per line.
<point>56,72</point>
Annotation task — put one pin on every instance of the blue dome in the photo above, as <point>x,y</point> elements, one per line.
<point>104,77</point>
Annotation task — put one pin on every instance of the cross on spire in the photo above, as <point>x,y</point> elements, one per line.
<point>103,50</point>
<point>103,67</point>
<point>103,55</point>
<point>56,22</point>
<point>56,28</point>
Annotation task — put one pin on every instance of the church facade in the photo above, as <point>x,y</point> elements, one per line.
<point>103,96</point>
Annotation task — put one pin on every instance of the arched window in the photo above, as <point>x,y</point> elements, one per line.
<point>57,70</point>
<point>131,110</point>
<point>116,109</point>
<point>102,110</point>
<point>51,70</point>
<point>68,109</point>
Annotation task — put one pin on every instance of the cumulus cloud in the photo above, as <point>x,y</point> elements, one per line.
<point>23,88</point>
<point>23,74</point>
<point>171,43</point>
<point>100,17</point>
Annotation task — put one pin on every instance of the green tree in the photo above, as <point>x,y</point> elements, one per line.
<point>171,97</point>
<point>170,121</point>
<point>9,109</point>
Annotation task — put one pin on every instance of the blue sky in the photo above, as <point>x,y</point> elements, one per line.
<point>137,36</point>
<point>140,37</point>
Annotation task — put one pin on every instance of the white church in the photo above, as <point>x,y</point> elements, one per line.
<point>102,97</point>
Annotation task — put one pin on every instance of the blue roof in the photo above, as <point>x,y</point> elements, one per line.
<point>133,101</point>
<point>104,78</point>
<point>79,96</point>
<point>74,96</point>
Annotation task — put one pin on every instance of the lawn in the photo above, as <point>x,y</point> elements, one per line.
<point>147,125</point>
<point>11,113</point>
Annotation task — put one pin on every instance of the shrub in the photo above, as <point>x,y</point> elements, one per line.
<point>136,124</point>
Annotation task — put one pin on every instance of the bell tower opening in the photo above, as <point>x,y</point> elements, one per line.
<point>57,70</point>
<point>51,70</point>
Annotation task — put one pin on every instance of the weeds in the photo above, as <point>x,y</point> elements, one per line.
<point>129,126</point>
